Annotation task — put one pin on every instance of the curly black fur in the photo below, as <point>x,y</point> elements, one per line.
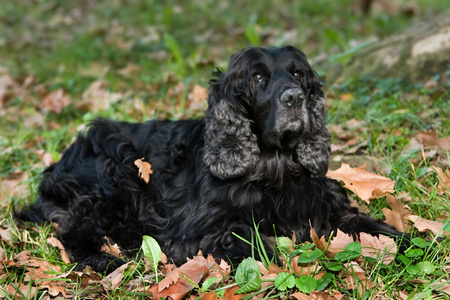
<point>259,155</point>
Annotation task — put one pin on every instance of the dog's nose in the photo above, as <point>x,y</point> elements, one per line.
<point>292,97</point>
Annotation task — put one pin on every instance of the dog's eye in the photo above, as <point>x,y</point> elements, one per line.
<point>257,78</point>
<point>297,75</point>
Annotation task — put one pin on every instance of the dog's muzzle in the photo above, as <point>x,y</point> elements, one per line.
<point>292,97</point>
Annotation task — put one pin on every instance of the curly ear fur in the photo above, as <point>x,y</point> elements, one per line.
<point>231,148</point>
<point>313,150</point>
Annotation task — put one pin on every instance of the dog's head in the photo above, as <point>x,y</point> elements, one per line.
<point>268,103</point>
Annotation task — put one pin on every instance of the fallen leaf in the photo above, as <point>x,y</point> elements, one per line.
<point>13,187</point>
<point>381,247</point>
<point>46,158</point>
<point>444,180</point>
<point>56,243</point>
<point>209,296</point>
<point>197,98</point>
<point>112,249</point>
<point>55,101</point>
<point>113,280</point>
<point>444,143</point>
<point>229,294</point>
<point>426,225</point>
<point>355,278</point>
<point>347,97</point>
<point>338,243</point>
<point>96,97</point>
<point>361,182</point>
<point>396,216</point>
<point>8,87</point>
<point>320,243</point>
<point>442,286</point>
<point>175,285</point>
<point>53,289</point>
<point>300,296</point>
<point>85,278</point>
<point>304,269</point>
<point>5,236</point>
<point>22,289</point>
<point>427,138</point>
<point>322,295</point>
<point>267,280</point>
<point>145,169</point>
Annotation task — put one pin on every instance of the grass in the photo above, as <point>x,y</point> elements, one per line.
<point>153,54</point>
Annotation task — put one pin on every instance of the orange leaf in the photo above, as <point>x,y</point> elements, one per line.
<point>444,180</point>
<point>145,169</point>
<point>229,294</point>
<point>113,280</point>
<point>197,98</point>
<point>300,296</point>
<point>361,182</point>
<point>55,101</point>
<point>355,278</point>
<point>396,216</point>
<point>56,243</point>
<point>338,243</point>
<point>375,247</point>
<point>175,286</point>
<point>426,225</point>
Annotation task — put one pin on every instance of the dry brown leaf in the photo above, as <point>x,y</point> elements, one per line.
<point>96,97</point>
<point>85,278</point>
<point>442,286</point>
<point>8,87</point>
<point>320,243</point>
<point>396,216</point>
<point>267,280</point>
<point>55,101</point>
<point>378,247</point>
<point>54,289</point>
<point>145,169</point>
<point>229,294</point>
<point>197,98</point>
<point>444,180</point>
<point>24,258</point>
<point>322,295</point>
<point>112,249</point>
<point>113,280</point>
<point>2,254</point>
<point>274,269</point>
<point>218,271</point>
<point>444,143</point>
<point>13,187</point>
<point>427,138</point>
<point>338,243</point>
<point>5,236</point>
<point>262,268</point>
<point>300,296</point>
<point>304,269</point>
<point>361,182</point>
<point>195,269</point>
<point>23,288</point>
<point>355,278</point>
<point>56,243</point>
<point>427,225</point>
<point>209,296</point>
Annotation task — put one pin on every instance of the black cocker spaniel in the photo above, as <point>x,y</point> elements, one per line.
<point>259,156</point>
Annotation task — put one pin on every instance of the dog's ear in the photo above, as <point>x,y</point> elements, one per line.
<point>314,148</point>
<point>231,148</point>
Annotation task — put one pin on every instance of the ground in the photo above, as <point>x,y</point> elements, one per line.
<point>62,63</point>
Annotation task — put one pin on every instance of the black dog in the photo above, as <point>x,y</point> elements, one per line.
<point>259,156</point>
